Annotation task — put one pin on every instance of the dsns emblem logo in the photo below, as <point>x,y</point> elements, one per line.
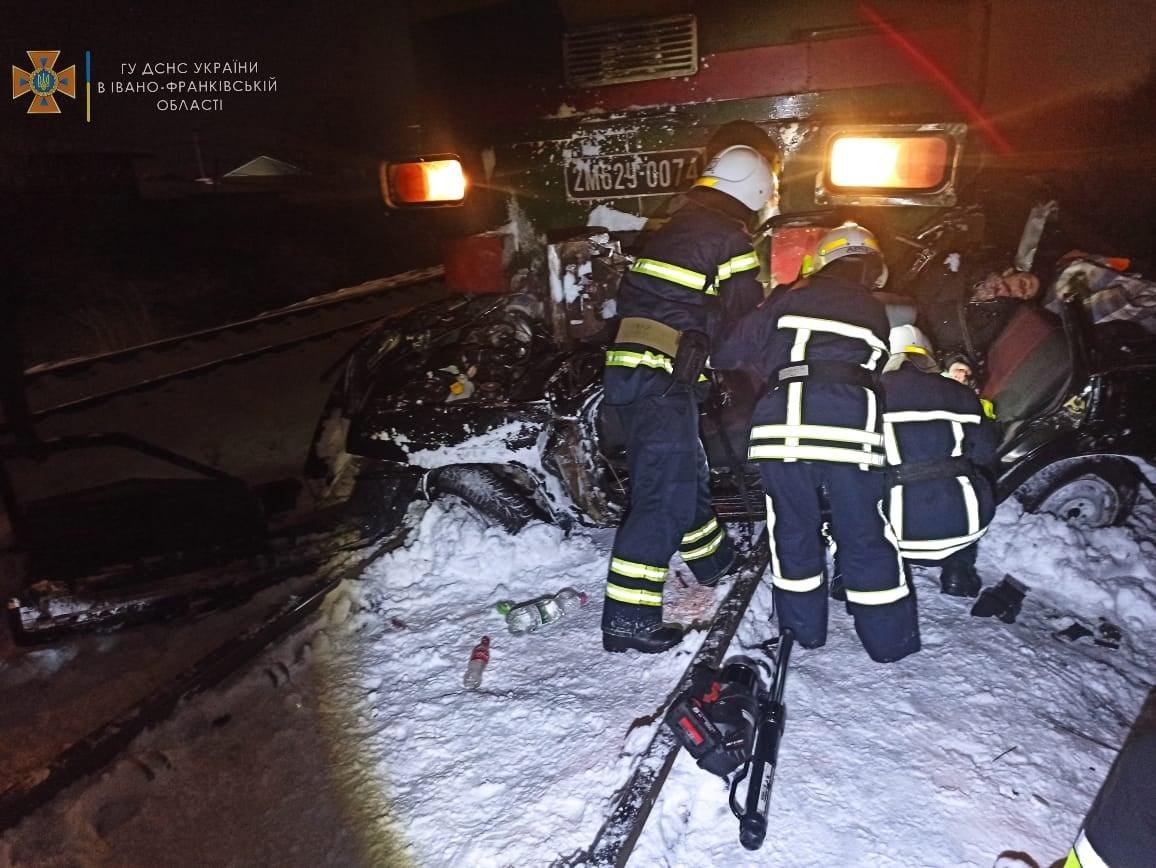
<point>44,82</point>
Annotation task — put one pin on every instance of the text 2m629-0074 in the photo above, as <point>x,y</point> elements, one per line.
<point>610,176</point>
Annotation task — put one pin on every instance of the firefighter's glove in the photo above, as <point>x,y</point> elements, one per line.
<point>1002,600</point>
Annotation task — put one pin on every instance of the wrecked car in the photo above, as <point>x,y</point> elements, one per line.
<point>495,398</point>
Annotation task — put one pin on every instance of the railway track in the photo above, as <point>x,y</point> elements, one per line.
<point>99,748</point>
<point>77,384</point>
<point>91,753</point>
<point>631,806</point>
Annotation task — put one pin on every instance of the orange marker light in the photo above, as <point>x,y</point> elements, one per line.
<point>894,163</point>
<point>426,182</point>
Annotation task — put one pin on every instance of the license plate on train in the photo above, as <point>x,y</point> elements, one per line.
<point>615,176</point>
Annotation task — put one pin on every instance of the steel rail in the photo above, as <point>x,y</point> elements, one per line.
<point>300,309</point>
<point>204,367</point>
<point>632,804</point>
<point>211,364</point>
<point>94,751</point>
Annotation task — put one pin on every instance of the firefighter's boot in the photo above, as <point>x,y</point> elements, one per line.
<point>735,564</point>
<point>959,579</point>
<point>655,640</point>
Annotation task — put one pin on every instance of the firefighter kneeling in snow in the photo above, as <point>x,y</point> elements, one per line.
<point>818,433</point>
<point>939,444</point>
<point>695,278</point>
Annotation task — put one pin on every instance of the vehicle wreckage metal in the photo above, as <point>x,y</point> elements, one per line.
<point>497,400</point>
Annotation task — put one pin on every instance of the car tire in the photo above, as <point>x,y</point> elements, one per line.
<point>1085,492</point>
<point>496,498</point>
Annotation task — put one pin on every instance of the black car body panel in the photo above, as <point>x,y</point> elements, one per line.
<point>1105,407</point>
<point>531,403</point>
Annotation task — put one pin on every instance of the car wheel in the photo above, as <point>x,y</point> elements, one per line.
<point>1085,492</point>
<point>487,491</point>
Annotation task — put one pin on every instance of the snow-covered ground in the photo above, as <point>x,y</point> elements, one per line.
<point>354,742</point>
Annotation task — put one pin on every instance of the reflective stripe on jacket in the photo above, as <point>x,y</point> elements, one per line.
<point>822,320</point>
<point>1084,855</point>
<point>697,272</point>
<point>930,418</point>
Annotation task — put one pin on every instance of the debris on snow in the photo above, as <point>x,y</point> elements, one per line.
<point>361,746</point>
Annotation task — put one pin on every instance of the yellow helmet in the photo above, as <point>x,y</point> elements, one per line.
<point>850,239</point>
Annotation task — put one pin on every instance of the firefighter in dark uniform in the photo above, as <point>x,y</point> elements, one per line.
<point>695,278</point>
<point>1120,829</point>
<point>939,445</point>
<point>817,435</point>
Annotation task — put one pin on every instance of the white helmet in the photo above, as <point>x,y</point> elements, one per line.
<point>850,239</point>
<point>909,344</point>
<point>742,173</point>
<point>909,339</point>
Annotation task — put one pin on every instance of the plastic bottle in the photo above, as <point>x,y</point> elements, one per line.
<point>478,660</point>
<point>520,617</point>
<point>534,614</point>
<point>565,602</point>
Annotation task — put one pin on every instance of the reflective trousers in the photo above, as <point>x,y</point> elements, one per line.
<point>1120,829</point>
<point>670,504</point>
<point>878,595</point>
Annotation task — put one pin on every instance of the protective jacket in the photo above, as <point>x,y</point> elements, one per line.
<point>939,447</point>
<point>1120,829</point>
<point>818,346</point>
<point>817,434</point>
<point>697,272</point>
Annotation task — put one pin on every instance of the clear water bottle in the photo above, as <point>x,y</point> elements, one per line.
<point>478,660</point>
<point>520,617</point>
<point>566,602</point>
<point>537,613</point>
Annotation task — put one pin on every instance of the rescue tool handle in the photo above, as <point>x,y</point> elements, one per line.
<point>772,719</point>
<point>786,643</point>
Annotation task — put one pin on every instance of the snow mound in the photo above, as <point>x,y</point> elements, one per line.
<point>355,742</point>
<point>1108,573</point>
